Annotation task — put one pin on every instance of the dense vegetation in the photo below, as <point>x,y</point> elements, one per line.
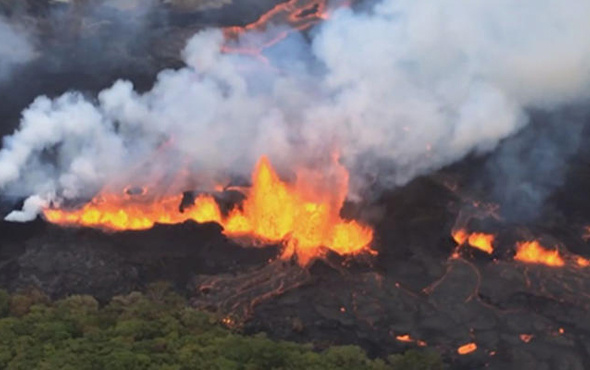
<point>155,330</point>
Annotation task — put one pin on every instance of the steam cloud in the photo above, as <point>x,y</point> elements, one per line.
<point>400,90</point>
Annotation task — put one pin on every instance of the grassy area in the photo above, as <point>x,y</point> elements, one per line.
<point>156,330</point>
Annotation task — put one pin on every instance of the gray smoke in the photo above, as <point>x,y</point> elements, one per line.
<point>16,47</point>
<point>527,168</point>
<point>400,90</point>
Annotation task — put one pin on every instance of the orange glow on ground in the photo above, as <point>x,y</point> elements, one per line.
<point>467,348</point>
<point>533,252</point>
<point>304,218</point>
<point>526,337</point>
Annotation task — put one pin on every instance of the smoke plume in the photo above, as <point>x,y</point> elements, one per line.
<point>398,90</point>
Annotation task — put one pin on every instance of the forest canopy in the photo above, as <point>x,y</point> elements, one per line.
<point>156,330</point>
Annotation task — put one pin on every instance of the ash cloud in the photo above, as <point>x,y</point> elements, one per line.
<point>399,90</point>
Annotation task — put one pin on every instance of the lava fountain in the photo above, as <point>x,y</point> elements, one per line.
<point>302,216</point>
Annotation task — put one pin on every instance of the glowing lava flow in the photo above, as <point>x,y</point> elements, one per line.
<point>130,212</point>
<point>296,15</point>
<point>467,348</point>
<point>305,219</point>
<point>533,252</point>
<point>481,241</point>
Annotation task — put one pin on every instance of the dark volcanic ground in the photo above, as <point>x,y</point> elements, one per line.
<point>412,287</point>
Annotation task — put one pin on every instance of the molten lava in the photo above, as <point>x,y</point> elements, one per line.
<point>302,216</point>
<point>582,262</point>
<point>276,25</point>
<point>481,241</point>
<point>533,252</point>
<point>129,212</point>
<point>467,348</point>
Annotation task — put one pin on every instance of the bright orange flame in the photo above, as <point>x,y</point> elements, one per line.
<point>533,252</point>
<point>117,212</point>
<point>481,241</point>
<point>306,219</point>
<point>277,211</point>
<point>467,348</point>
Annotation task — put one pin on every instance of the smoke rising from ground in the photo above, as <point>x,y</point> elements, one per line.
<point>398,91</point>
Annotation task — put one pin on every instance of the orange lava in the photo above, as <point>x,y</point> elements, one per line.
<point>404,338</point>
<point>305,218</point>
<point>460,236</point>
<point>467,348</point>
<point>408,339</point>
<point>582,262</point>
<point>481,241</point>
<point>298,15</point>
<point>533,252</point>
<point>298,214</point>
<point>129,212</point>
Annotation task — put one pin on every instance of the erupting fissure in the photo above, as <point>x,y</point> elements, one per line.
<point>306,219</point>
<point>533,252</point>
<point>481,241</point>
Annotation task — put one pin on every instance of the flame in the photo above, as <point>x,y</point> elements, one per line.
<point>481,241</point>
<point>533,252</point>
<point>306,219</point>
<point>526,337</point>
<point>467,348</point>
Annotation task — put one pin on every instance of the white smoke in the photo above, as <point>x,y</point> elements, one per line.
<point>399,91</point>
<point>15,47</point>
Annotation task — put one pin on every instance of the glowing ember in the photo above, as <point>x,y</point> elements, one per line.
<point>467,348</point>
<point>481,241</point>
<point>526,337</point>
<point>533,252</point>
<point>305,218</point>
